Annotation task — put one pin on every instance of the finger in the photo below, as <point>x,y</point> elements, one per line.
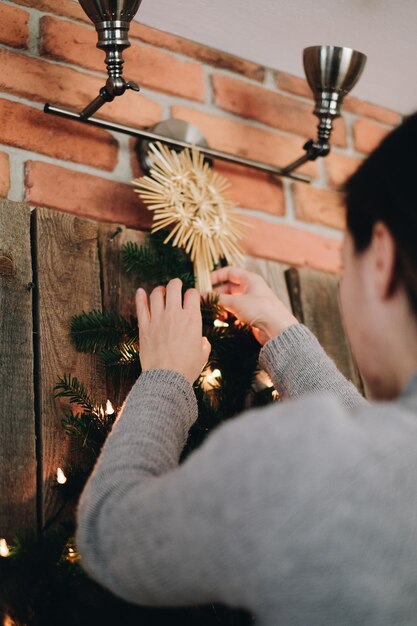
<point>206,347</point>
<point>142,308</point>
<point>173,298</point>
<point>230,274</point>
<point>157,300</point>
<point>229,303</point>
<point>192,301</point>
<point>229,288</point>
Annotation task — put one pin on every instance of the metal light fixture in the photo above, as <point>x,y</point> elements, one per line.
<point>331,72</point>
<point>112,21</point>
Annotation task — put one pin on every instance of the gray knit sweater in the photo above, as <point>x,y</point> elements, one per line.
<point>303,512</point>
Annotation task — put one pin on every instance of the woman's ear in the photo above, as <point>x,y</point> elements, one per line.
<point>384,260</point>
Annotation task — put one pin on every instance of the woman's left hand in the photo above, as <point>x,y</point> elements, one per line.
<point>170,332</point>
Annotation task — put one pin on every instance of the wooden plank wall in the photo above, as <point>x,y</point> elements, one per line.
<point>68,279</point>
<point>17,413</point>
<point>118,288</point>
<point>77,268</point>
<point>315,298</point>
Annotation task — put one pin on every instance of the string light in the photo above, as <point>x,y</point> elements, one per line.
<point>109,408</point>
<point>60,477</point>
<point>72,555</point>
<point>211,379</point>
<point>220,324</point>
<point>4,548</point>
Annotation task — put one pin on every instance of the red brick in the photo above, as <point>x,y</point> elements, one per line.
<point>294,246</point>
<point>13,26</point>
<point>66,8</point>
<point>161,39</point>
<point>30,129</point>
<point>271,108</point>
<point>207,55</point>
<point>339,167</point>
<point>252,189</point>
<point>368,135</point>
<point>74,43</point>
<point>4,174</point>
<point>319,206</point>
<point>367,109</point>
<point>242,139</point>
<point>84,195</point>
<point>293,84</point>
<point>42,81</point>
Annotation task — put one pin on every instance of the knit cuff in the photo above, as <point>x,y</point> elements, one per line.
<point>296,345</point>
<point>169,386</point>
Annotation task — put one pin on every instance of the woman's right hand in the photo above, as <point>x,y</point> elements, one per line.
<point>247,296</point>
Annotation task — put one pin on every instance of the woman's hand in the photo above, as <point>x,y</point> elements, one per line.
<point>247,296</point>
<point>170,333</point>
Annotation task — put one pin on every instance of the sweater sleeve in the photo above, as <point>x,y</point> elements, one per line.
<point>150,530</point>
<point>297,364</point>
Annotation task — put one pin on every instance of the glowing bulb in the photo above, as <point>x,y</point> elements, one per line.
<point>4,548</point>
<point>109,408</point>
<point>8,621</point>
<point>60,476</point>
<point>264,380</point>
<point>220,324</point>
<point>211,379</point>
<point>72,555</point>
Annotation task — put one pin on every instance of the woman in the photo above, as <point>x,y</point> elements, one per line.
<point>304,512</point>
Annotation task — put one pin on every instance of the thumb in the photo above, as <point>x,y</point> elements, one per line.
<point>230,303</point>
<point>206,347</point>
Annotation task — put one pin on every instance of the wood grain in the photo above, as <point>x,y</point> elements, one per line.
<point>118,288</point>
<point>69,282</point>
<point>274,274</point>
<point>17,411</point>
<point>318,299</point>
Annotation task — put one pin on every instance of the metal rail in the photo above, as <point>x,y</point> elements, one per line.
<point>150,136</point>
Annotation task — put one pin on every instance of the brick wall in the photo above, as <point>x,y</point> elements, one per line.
<point>48,54</point>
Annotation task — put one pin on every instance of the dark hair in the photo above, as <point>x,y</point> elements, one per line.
<point>384,188</point>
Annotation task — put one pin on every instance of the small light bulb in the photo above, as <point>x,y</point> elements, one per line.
<point>220,324</point>
<point>72,555</point>
<point>109,408</point>
<point>60,476</point>
<point>264,379</point>
<point>211,379</point>
<point>4,548</point>
<point>8,621</point>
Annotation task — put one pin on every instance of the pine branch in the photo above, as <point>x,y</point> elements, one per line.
<point>122,355</point>
<point>157,263</point>
<point>77,425</point>
<point>99,330</point>
<point>70,387</point>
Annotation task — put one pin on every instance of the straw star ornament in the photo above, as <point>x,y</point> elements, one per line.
<point>187,196</point>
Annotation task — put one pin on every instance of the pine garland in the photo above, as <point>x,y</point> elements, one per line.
<point>52,587</point>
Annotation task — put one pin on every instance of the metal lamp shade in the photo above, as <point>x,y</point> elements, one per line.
<point>331,72</point>
<point>110,10</point>
<point>112,21</point>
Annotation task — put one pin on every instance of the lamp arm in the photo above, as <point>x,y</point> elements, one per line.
<point>314,150</point>
<point>113,87</point>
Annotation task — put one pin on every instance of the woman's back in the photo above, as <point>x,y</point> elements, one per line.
<point>303,512</point>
